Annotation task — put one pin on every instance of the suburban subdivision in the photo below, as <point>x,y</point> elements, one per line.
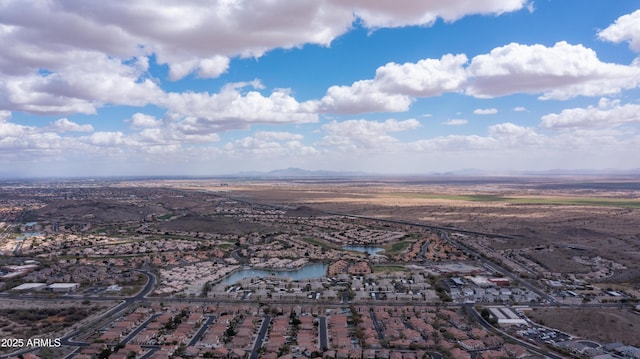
<point>315,267</point>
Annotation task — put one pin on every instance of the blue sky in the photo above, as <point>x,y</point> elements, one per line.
<point>91,88</point>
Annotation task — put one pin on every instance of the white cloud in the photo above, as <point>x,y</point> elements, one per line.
<point>453,143</point>
<point>560,72</point>
<point>357,134</point>
<point>200,37</point>
<point>395,86</point>
<point>519,109</point>
<point>105,139</point>
<point>205,68</point>
<point>427,77</point>
<point>269,144</point>
<point>501,137</point>
<point>514,135</point>
<point>5,115</point>
<point>363,96</point>
<point>530,7</point>
<point>606,114</point>
<point>625,28</point>
<point>231,109</point>
<point>377,14</point>
<point>277,136</point>
<point>455,122</point>
<point>141,120</point>
<point>64,125</point>
<point>86,83</point>
<point>175,134</point>
<point>12,130</point>
<point>213,67</point>
<point>24,143</point>
<point>187,36</point>
<point>485,111</point>
<point>64,58</point>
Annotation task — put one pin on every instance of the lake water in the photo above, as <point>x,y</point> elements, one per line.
<point>313,270</point>
<point>364,249</point>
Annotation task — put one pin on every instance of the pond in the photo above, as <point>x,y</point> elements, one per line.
<point>364,249</point>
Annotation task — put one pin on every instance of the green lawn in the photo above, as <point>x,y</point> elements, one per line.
<point>397,247</point>
<point>164,217</point>
<point>319,243</point>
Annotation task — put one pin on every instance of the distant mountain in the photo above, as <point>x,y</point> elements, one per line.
<point>582,172</point>
<point>293,172</point>
<point>474,172</point>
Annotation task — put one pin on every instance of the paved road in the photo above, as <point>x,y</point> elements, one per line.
<point>151,283</point>
<point>150,352</point>
<point>376,325</point>
<point>260,339</point>
<point>200,333</point>
<point>138,329</point>
<point>322,332</point>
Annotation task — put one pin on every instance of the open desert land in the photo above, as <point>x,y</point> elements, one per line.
<point>558,219</point>
<point>604,325</point>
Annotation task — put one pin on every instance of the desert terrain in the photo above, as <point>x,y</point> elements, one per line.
<point>571,216</point>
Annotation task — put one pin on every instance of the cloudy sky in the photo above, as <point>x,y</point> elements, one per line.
<point>193,87</point>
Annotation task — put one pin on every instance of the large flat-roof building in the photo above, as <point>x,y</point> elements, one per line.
<point>64,287</point>
<point>30,287</point>
<point>506,315</point>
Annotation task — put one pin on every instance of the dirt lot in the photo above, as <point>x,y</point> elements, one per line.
<point>603,325</point>
<point>37,319</point>
<point>198,223</point>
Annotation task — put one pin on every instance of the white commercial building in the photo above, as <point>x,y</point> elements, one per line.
<point>30,287</point>
<point>506,316</point>
<point>64,287</point>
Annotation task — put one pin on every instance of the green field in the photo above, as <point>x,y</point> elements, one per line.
<point>565,201</point>
<point>397,247</point>
<point>164,217</point>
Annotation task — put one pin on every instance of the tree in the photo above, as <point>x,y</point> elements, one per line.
<point>105,353</point>
<point>486,315</point>
<point>230,332</point>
